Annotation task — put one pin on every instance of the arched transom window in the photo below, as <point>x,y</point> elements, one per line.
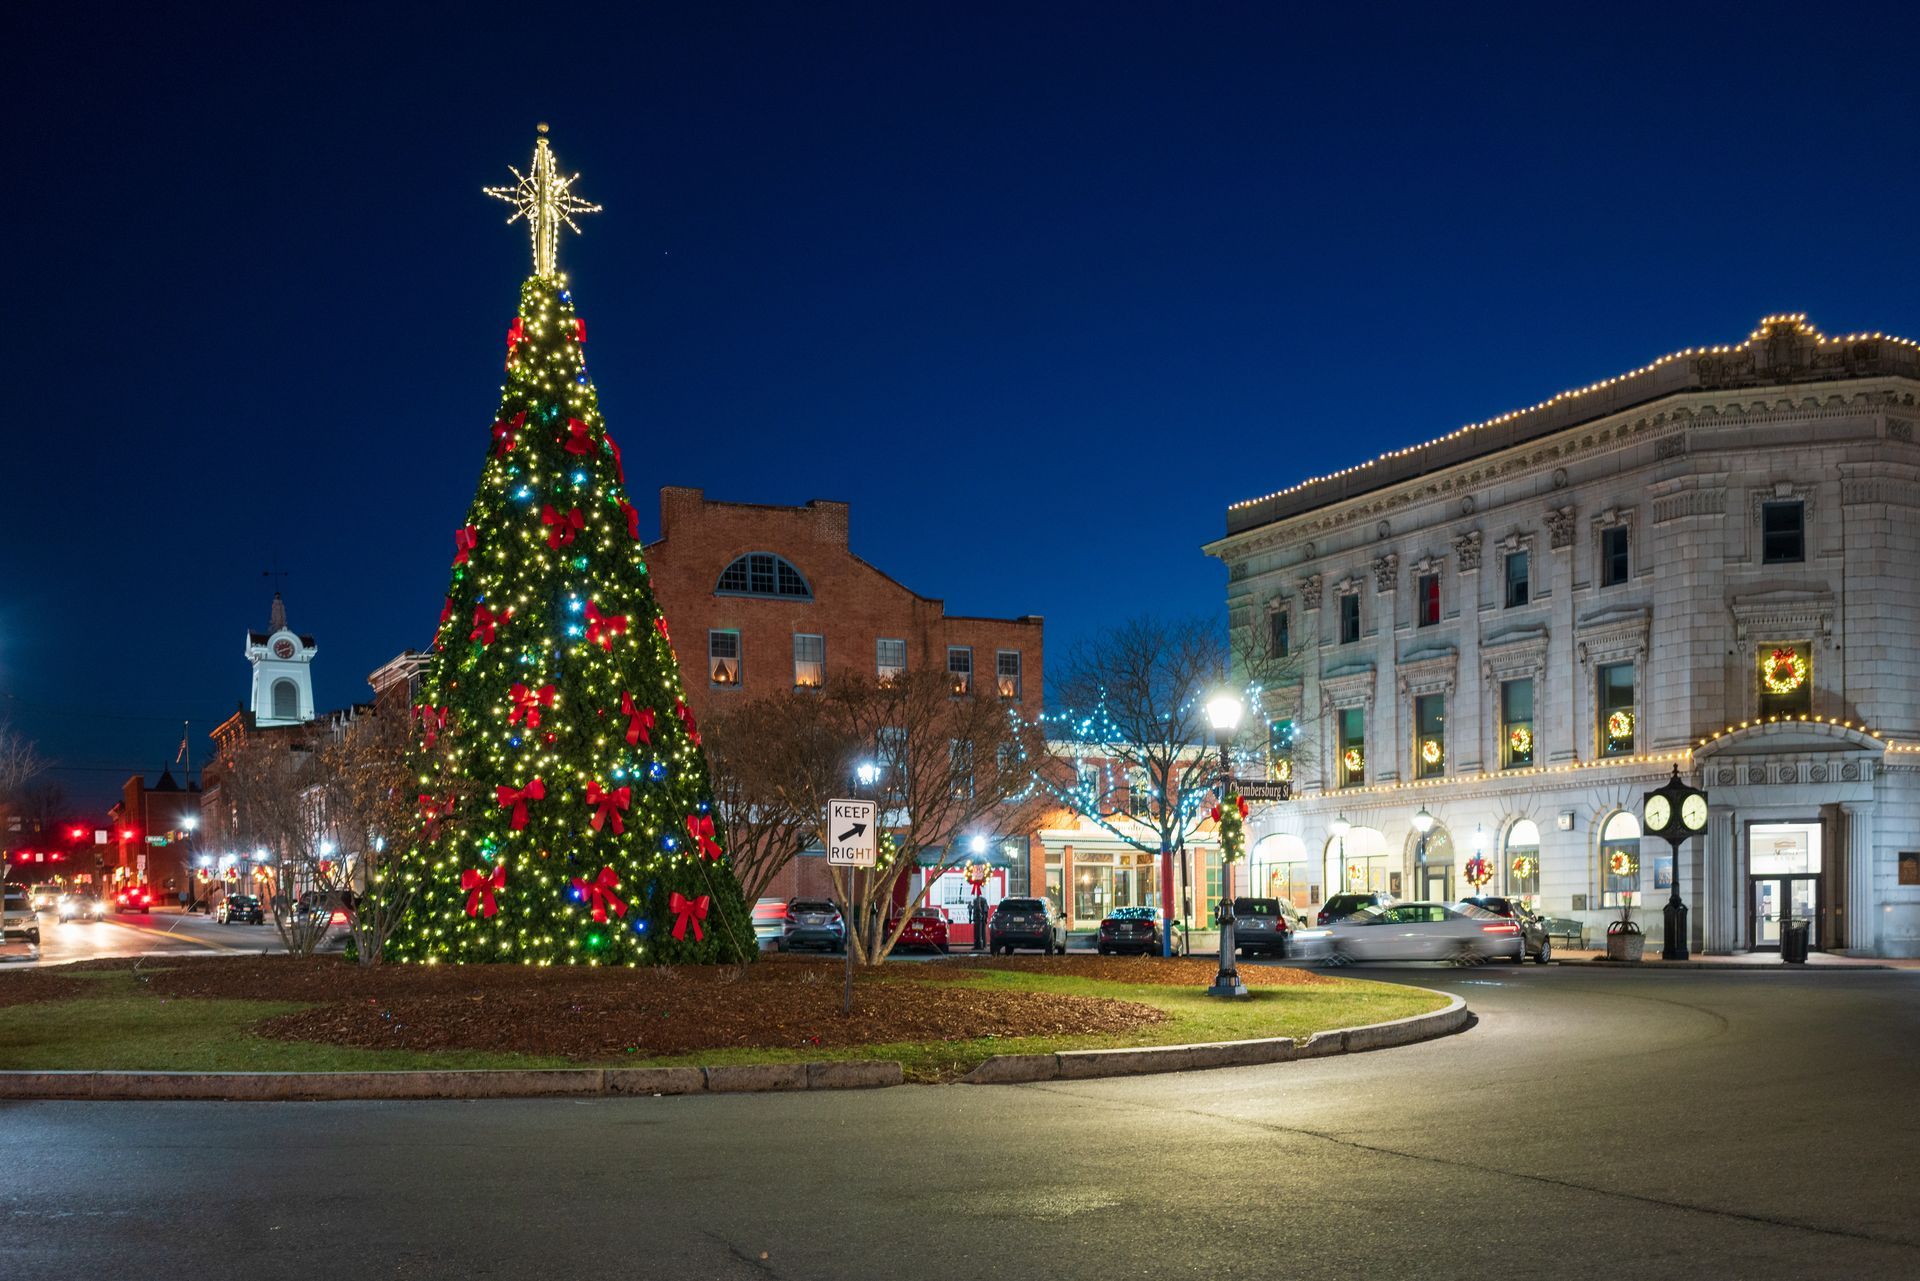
<point>763,574</point>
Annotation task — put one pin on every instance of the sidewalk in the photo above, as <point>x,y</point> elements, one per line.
<point>1736,961</point>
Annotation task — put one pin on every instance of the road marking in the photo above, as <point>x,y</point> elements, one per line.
<point>172,937</point>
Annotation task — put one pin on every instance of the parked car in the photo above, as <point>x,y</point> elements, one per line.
<point>1027,922</point>
<point>769,921</point>
<point>81,905</point>
<point>1129,929</point>
<point>133,898</point>
<point>19,923</point>
<point>1533,928</point>
<point>813,922</point>
<point>926,928</point>
<point>244,908</point>
<point>1341,906</point>
<point>1261,925</point>
<point>1415,932</point>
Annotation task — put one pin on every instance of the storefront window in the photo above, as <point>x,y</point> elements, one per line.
<point>1516,723</point>
<point>1620,862</point>
<point>1523,859</point>
<point>1353,746</point>
<point>1786,679</point>
<point>1429,736</point>
<point>1055,883</point>
<point>1614,697</point>
<point>1210,887</point>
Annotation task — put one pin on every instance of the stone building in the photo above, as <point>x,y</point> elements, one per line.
<point>1523,625</point>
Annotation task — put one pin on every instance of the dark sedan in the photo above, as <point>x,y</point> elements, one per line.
<point>242,908</point>
<point>1260,925</point>
<point>1534,941</point>
<point>813,922</point>
<point>1027,922</point>
<point>1129,929</point>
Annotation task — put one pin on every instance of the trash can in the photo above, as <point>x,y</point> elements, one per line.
<point>1793,940</point>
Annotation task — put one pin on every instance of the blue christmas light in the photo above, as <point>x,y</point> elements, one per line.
<point>514,740</point>
<point>523,493</point>
<point>657,772</point>
<point>640,926</point>
<point>668,843</point>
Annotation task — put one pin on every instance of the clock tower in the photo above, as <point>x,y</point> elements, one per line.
<point>282,681</point>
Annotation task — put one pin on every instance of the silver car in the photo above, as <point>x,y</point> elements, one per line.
<point>1415,932</point>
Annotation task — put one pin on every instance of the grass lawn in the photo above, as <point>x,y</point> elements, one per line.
<point>112,1024</point>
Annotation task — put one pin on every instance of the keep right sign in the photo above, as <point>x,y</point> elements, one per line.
<point>851,835</point>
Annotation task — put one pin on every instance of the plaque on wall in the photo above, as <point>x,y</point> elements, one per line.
<point>1579,903</point>
<point>1910,868</point>
<point>1393,884</point>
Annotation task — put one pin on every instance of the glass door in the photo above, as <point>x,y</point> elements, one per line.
<point>1767,903</point>
<point>1778,899</point>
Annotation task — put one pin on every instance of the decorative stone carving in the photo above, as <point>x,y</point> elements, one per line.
<point>1783,614</point>
<point>1383,530</point>
<point>1466,505</point>
<point>1429,565</point>
<point>1466,549</point>
<point>1756,774</point>
<point>1310,591</point>
<point>1898,430</point>
<point>1726,778</point>
<point>1817,774</point>
<point>1671,446</point>
<point>1349,586</point>
<point>1560,527</point>
<point>1559,478</point>
<point>1386,571</point>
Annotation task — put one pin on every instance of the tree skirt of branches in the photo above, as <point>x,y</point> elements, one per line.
<point>584,1013</point>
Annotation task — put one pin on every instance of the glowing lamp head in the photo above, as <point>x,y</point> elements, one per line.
<point>1423,821</point>
<point>867,772</point>
<point>1340,827</point>
<point>1224,711</point>
<point>188,823</point>
<point>977,844</point>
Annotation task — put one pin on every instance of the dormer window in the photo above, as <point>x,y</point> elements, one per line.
<point>763,574</point>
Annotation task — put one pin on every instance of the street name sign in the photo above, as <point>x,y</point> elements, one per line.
<point>1266,791</point>
<point>851,838</point>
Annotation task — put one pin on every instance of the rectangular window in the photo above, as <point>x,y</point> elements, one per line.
<point>1210,864</point>
<point>960,768</point>
<point>1516,723</point>
<point>960,669</point>
<point>1516,579</point>
<point>1429,735</point>
<point>1786,679</point>
<point>1613,556</point>
<point>1427,594</point>
<point>1353,746</point>
<point>1139,794</point>
<point>1614,698</point>
<point>1783,534</point>
<point>1349,618</point>
<point>890,658</point>
<point>1279,639</point>
<point>892,750</point>
<point>723,657</point>
<point>1006,670</point>
<point>1280,751</point>
<point>809,661</point>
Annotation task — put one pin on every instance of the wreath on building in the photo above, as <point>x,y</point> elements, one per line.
<point>1354,759</point>
<point>1430,751</point>
<point>977,873</point>
<point>1520,740</point>
<point>1281,770</point>
<point>1620,726</point>
<point>1524,866</point>
<point>1784,671</point>
<point>1479,871</point>
<point>1621,863</point>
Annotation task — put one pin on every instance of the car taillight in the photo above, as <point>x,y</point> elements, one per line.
<point>338,918</point>
<point>1500,929</point>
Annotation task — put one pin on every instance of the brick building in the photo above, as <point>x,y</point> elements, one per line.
<point>151,841</point>
<point>763,598</point>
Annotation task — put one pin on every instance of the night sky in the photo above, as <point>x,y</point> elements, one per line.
<point>1038,288</point>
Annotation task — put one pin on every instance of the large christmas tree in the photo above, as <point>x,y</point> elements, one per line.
<point>566,813</point>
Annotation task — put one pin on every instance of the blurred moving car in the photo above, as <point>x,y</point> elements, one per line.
<point>1341,906</point>
<point>133,898</point>
<point>19,923</point>
<point>1027,922</point>
<point>1415,932</point>
<point>81,905</point>
<point>44,896</point>
<point>926,928</point>
<point>1261,925</point>
<point>1533,928</point>
<point>769,921</point>
<point>1129,929</point>
<point>244,908</point>
<point>813,922</point>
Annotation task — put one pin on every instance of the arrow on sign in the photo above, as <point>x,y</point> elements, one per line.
<point>850,833</point>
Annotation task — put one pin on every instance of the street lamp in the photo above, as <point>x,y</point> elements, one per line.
<point>1339,827</point>
<point>1224,711</point>
<point>1422,823</point>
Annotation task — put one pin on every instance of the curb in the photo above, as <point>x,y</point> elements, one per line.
<point>847,1074</point>
<point>1083,1065</point>
<point>1764,967</point>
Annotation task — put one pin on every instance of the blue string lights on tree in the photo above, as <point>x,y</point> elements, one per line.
<point>553,684</point>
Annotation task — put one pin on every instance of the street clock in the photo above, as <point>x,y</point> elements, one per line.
<point>1676,811</point>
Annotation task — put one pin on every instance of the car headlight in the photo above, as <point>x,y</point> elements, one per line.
<point>1314,934</point>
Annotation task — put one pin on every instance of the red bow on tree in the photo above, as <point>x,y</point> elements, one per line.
<point>486,623</point>
<point>507,434</point>
<point>527,704</point>
<point>579,329</point>
<point>686,718</point>
<point>516,334</point>
<point>480,888</point>
<point>533,791</point>
<point>640,726</point>
<point>700,829</point>
<point>599,894</point>
<point>561,529</point>
<point>633,519</point>
<point>446,611</point>
<point>609,804</point>
<point>432,719</point>
<point>687,910</point>
<point>579,437</point>
<point>433,811</point>
<point>619,468</point>
<point>660,625</point>
<point>464,541</point>
<point>1243,808</point>
<point>604,627</point>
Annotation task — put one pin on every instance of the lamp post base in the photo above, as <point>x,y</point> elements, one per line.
<point>1227,981</point>
<point>1674,947</point>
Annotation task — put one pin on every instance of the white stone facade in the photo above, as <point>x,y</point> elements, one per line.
<point>1655,515</point>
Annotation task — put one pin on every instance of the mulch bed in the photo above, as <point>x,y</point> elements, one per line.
<point>1174,971</point>
<point>24,987</point>
<point>588,1013</point>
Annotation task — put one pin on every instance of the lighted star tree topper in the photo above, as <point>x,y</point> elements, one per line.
<point>566,815</point>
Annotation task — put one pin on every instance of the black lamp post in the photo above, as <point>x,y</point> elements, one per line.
<point>1675,811</point>
<point>1224,711</point>
<point>1422,823</point>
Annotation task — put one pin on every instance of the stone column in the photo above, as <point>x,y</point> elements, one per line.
<point>1465,736</point>
<point>1857,919</point>
<point>1557,713</point>
<point>1718,904</point>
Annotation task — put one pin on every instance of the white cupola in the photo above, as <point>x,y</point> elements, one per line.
<point>282,679</point>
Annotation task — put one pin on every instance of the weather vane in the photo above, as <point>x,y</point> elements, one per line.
<point>545,200</point>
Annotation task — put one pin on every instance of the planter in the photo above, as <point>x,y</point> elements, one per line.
<point>1625,942</point>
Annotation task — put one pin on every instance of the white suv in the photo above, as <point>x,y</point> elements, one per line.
<point>19,923</point>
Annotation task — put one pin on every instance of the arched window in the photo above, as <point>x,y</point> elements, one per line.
<point>763,574</point>
<point>1523,859</point>
<point>286,701</point>
<point>1620,861</point>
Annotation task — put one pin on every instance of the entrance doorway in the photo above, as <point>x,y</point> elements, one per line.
<point>1783,881</point>
<point>1433,866</point>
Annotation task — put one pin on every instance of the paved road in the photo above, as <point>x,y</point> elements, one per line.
<point>133,933</point>
<point>1593,1123</point>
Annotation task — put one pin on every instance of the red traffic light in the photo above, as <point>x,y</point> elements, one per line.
<point>77,833</point>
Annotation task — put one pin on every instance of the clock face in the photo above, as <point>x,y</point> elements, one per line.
<point>1659,812</point>
<point>283,648</point>
<point>1693,812</point>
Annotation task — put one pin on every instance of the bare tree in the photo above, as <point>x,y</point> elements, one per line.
<point>754,753</point>
<point>273,790</point>
<point>367,775</point>
<point>20,764</point>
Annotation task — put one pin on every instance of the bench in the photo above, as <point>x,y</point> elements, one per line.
<point>1569,933</point>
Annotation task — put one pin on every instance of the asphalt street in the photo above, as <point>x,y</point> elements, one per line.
<point>137,933</point>
<point>1679,1124</point>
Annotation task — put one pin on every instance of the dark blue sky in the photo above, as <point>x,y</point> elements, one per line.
<point>1038,288</point>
